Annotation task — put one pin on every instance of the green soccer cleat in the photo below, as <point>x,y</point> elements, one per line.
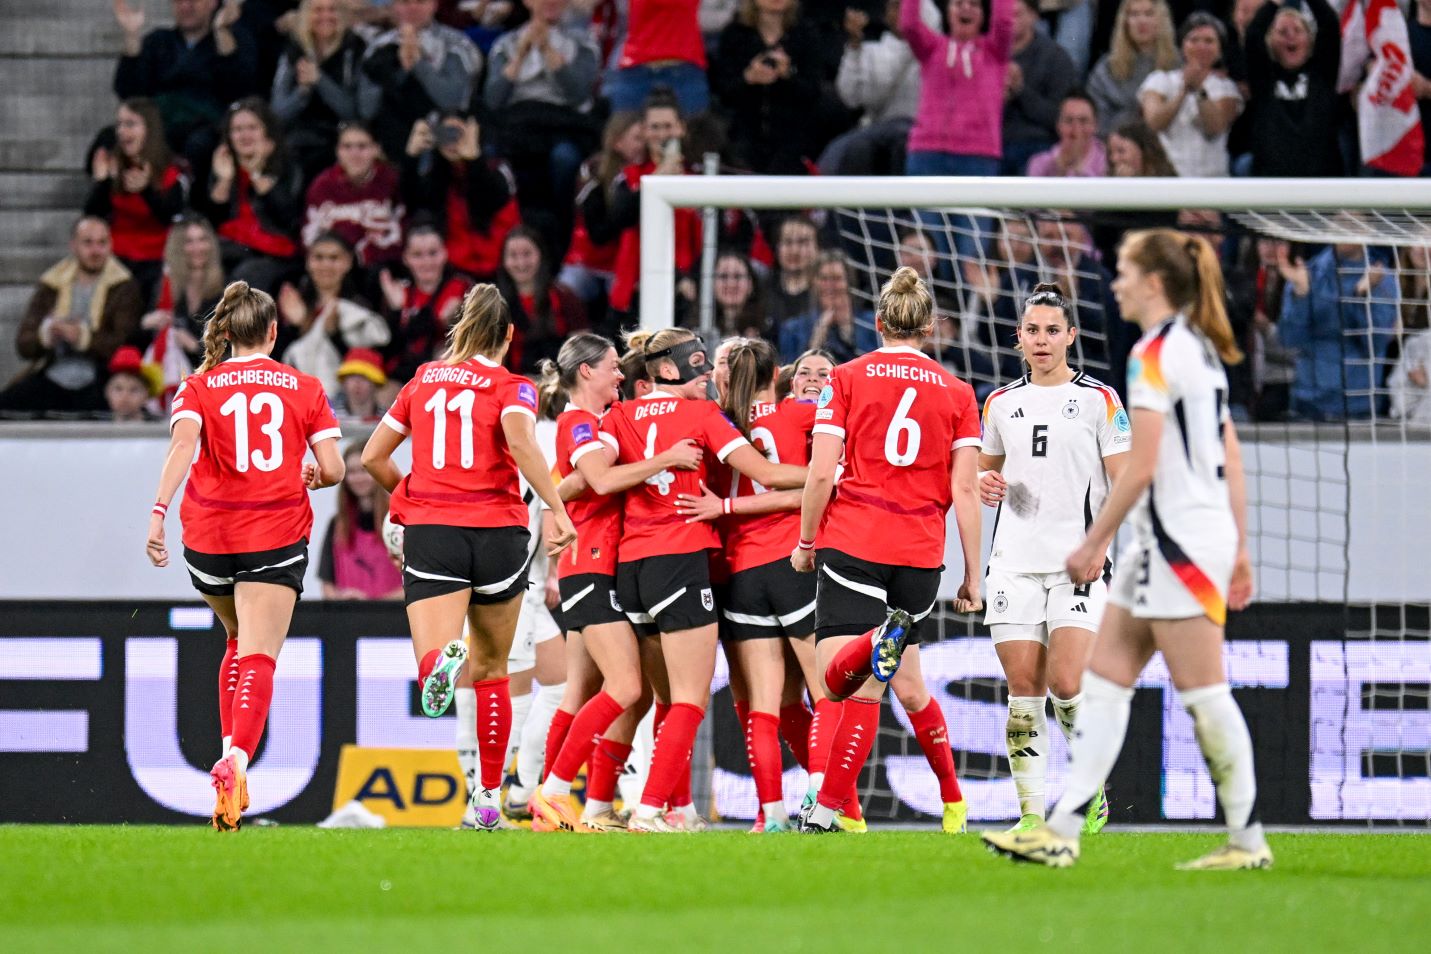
<point>1097,815</point>
<point>440,685</point>
<point>1038,845</point>
<point>1026,822</point>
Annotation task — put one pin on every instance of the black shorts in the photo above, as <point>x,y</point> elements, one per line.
<point>853,595</point>
<point>490,562</point>
<point>666,594</point>
<point>216,573</point>
<point>588,599</point>
<point>770,601</point>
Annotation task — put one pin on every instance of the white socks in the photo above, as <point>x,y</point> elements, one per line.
<point>553,786</point>
<point>533,748</point>
<point>775,811</point>
<point>464,703</point>
<point>1066,712</point>
<point>521,709</point>
<point>1026,740</point>
<point>1227,749</point>
<point>1093,750</point>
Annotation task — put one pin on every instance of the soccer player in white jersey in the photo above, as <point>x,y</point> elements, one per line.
<point>1183,484</point>
<point>1053,442</point>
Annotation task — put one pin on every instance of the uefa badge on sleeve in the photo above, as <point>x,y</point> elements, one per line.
<point>1120,422</point>
<point>827,394</point>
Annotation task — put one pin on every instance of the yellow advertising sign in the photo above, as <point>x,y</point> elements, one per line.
<point>409,788</point>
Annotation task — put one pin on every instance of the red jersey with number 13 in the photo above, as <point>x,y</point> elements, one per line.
<point>463,474</point>
<point>597,517</point>
<point>901,415</point>
<point>649,426</point>
<point>782,433</point>
<point>257,418</point>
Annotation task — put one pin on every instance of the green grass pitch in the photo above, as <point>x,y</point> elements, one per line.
<point>300,889</point>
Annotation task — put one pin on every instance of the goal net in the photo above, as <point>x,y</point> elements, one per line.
<point>1332,664</point>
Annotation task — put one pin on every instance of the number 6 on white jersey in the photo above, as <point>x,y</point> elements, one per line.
<point>901,423</point>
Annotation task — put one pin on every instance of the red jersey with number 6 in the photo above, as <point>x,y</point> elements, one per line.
<point>901,416</point>
<point>256,420</point>
<point>597,517</point>
<point>463,474</point>
<point>782,433</point>
<point>649,426</point>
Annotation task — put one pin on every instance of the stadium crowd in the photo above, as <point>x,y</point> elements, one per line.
<point>365,161</point>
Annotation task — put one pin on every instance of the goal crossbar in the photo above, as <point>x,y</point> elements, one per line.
<point>662,195</point>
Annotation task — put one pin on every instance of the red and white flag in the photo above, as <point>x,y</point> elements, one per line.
<point>1375,41</point>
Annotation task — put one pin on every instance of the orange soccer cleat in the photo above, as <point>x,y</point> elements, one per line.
<point>231,794</point>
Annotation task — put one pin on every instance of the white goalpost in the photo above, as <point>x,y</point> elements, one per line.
<point>1334,661</point>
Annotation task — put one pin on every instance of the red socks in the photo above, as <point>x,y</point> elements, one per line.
<point>671,761</point>
<point>494,728</point>
<point>823,728</point>
<point>850,668</point>
<point>606,764</point>
<point>255,692</point>
<point>852,747</point>
<point>795,722</point>
<point>427,664</point>
<point>762,745</point>
<point>594,719</point>
<point>556,738</point>
<point>933,736</point>
<point>228,688</point>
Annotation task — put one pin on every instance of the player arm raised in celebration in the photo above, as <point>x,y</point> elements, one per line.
<point>964,485</point>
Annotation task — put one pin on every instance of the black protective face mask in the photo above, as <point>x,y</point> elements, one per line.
<point>680,355</point>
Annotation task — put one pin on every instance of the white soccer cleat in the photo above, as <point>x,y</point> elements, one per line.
<point>1038,844</point>
<point>1230,857</point>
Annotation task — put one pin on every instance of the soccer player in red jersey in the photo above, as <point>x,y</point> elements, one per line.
<point>812,373</point>
<point>245,512</point>
<point>767,603</point>
<point>584,380</point>
<point>466,547</point>
<point>663,577</point>
<point>908,432</point>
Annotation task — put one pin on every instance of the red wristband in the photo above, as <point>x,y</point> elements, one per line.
<point>161,509</point>
<point>807,544</point>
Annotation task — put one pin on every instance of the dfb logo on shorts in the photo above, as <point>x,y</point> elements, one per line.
<point>1070,410</point>
<point>615,603</point>
<point>707,599</point>
<point>1001,602</point>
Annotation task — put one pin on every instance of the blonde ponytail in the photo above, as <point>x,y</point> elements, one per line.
<point>753,365</point>
<point>241,318</point>
<point>1208,312</point>
<point>906,309</point>
<point>481,327</point>
<point>1192,281</point>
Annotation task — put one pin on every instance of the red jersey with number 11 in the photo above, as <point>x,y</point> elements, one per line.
<point>901,416</point>
<point>782,433</point>
<point>463,474</point>
<point>652,425</point>
<point>257,418</point>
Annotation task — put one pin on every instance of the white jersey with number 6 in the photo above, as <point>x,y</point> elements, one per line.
<point>1053,441</point>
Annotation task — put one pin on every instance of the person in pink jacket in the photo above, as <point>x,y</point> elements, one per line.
<point>958,128</point>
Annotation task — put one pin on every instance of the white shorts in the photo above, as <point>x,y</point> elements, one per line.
<point>1150,586</point>
<point>1032,605</point>
<point>534,625</point>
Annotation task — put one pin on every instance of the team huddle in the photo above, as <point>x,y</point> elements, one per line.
<point>692,502</point>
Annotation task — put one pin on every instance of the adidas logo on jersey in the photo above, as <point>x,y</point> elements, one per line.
<point>1080,608</point>
<point>1018,413</point>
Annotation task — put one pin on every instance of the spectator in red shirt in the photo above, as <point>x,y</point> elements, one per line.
<point>193,283</point>
<point>138,189</point>
<point>663,48</point>
<point>473,198</point>
<point>358,199</point>
<point>543,312</point>
<point>255,197</point>
<point>420,305</point>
